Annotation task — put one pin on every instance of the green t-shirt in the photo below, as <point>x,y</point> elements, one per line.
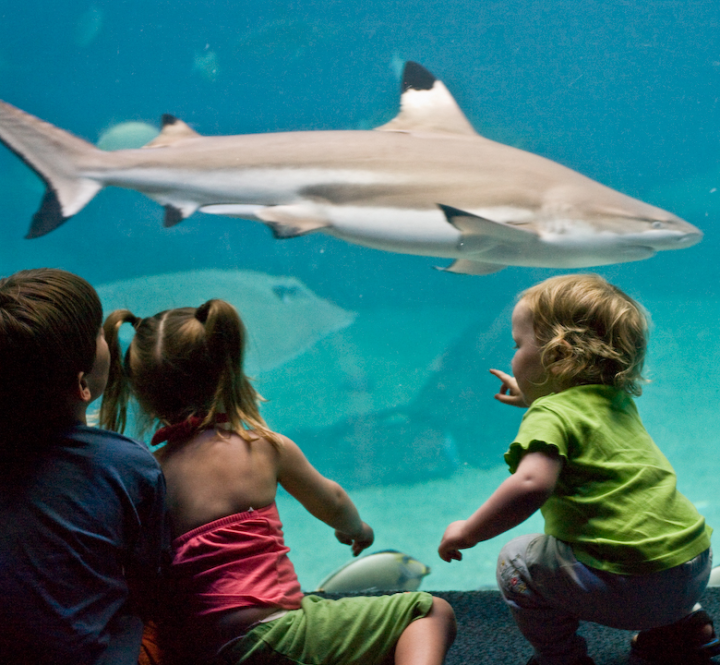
<point>616,500</point>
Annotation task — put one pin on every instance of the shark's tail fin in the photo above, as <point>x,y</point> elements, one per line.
<point>54,155</point>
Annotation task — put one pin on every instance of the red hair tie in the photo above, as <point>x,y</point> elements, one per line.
<point>183,430</point>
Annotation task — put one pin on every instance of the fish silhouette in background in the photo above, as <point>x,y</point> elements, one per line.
<point>284,318</point>
<point>425,183</point>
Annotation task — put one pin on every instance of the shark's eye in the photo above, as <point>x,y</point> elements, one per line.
<point>657,225</point>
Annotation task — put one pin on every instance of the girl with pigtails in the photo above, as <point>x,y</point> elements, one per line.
<point>235,596</point>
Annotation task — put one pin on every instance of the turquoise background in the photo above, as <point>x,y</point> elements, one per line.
<point>623,91</point>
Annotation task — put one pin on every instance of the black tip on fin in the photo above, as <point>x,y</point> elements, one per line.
<point>280,231</point>
<point>417,77</point>
<point>167,119</point>
<point>173,216</point>
<point>48,217</point>
<point>449,212</point>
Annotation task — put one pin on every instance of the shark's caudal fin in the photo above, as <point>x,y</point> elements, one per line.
<point>53,154</point>
<point>426,105</point>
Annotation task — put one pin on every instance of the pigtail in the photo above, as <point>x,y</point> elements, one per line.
<point>113,411</point>
<point>225,338</point>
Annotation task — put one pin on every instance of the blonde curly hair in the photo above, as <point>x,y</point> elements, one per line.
<point>589,332</point>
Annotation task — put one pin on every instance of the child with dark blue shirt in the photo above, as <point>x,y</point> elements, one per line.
<point>82,509</point>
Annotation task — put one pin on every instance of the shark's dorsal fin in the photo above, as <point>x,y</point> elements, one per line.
<point>173,130</point>
<point>426,105</point>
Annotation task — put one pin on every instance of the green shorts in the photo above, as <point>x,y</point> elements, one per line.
<point>361,630</point>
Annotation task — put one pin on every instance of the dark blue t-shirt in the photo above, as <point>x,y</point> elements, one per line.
<point>83,538</point>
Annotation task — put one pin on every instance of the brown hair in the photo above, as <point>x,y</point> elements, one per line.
<point>182,363</point>
<point>589,332</point>
<point>49,323</point>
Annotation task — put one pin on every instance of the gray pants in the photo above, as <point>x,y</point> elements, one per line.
<point>549,592</point>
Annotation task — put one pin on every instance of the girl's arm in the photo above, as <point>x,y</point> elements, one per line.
<point>512,503</point>
<point>323,498</point>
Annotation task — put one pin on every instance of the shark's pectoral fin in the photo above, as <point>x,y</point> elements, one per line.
<point>285,221</point>
<point>176,212</point>
<point>290,221</point>
<point>426,105</point>
<point>173,130</point>
<point>478,233</point>
<point>468,267</point>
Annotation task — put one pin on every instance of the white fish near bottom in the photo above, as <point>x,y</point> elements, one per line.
<point>388,570</point>
<point>714,577</point>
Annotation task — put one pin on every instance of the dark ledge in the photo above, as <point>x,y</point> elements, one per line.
<point>487,634</point>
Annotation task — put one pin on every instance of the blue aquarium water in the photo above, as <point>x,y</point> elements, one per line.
<point>375,363</point>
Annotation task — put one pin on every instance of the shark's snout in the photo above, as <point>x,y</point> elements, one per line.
<point>689,239</point>
<point>678,234</point>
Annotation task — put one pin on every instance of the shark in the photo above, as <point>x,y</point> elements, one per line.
<point>425,183</point>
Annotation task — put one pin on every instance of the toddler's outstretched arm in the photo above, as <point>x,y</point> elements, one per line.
<point>513,502</point>
<point>509,392</point>
<point>323,498</point>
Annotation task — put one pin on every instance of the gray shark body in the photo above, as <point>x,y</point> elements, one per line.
<point>425,183</point>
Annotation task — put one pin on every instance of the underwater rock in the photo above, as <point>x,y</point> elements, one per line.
<point>379,449</point>
<point>388,570</point>
<point>458,396</point>
<point>378,364</point>
<point>127,135</point>
<point>282,316</point>
<point>405,396</point>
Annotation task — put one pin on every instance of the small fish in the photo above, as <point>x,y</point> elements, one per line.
<point>206,65</point>
<point>388,570</point>
<point>425,183</point>
<point>128,134</point>
<point>714,577</point>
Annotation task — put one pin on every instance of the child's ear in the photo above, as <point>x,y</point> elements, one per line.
<point>562,350</point>
<point>82,390</point>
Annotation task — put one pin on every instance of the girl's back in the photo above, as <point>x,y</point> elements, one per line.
<point>217,473</point>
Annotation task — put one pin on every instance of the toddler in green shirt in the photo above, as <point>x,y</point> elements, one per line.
<point>622,547</point>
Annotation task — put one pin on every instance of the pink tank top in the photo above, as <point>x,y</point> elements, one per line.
<point>237,561</point>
